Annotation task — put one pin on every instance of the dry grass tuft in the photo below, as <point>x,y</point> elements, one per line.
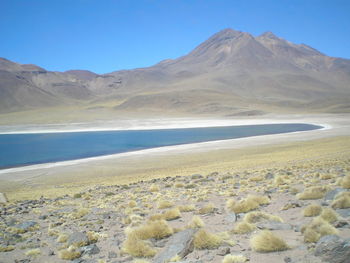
<point>315,192</point>
<point>132,204</point>
<point>172,214</point>
<point>137,247</point>
<point>70,253</point>
<point>186,208</point>
<point>154,188</point>
<point>196,222</point>
<point>206,240</point>
<point>329,215</point>
<point>258,216</point>
<point>62,238</point>
<point>209,208</point>
<point>312,210</point>
<point>342,201</point>
<point>316,229</point>
<point>243,228</point>
<point>345,182</point>
<point>266,241</point>
<point>234,259</point>
<point>153,229</point>
<point>7,248</point>
<point>242,206</point>
<point>33,252</point>
<point>165,204</point>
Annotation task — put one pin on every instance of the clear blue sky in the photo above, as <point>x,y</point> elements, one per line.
<point>108,35</point>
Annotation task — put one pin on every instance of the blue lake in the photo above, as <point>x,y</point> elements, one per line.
<point>26,149</point>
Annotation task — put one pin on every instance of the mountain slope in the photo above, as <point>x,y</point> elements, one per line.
<point>231,73</point>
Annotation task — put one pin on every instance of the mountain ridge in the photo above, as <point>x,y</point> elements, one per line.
<point>259,74</point>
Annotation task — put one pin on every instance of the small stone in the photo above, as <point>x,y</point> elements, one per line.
<point>3,198</point>
<point>90,250</point>
<point>341,223</point>
<point>343,212</point>
<point>223,251</point>
<point>287,260</point>
<point>274,226</point>
<point>26,226</point>
<point>112,254</point>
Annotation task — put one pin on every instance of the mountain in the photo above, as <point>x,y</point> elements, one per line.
<point>232,73</point>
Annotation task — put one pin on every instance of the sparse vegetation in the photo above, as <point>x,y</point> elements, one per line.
<point>266,241</point>
<point>206,240</point>
<point>312,210</point>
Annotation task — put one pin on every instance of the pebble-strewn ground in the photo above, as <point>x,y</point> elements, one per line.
<point>124,223</point>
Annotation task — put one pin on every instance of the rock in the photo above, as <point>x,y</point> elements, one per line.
<point>341,223</point>
<point>112,254</point>
<point>343,212</point>
<point>43,217</point>
<point>333,249</point>
<point>78,239</point>
<point>90,250</point>
<point>231,217</point>
<point>331,194</point>
<point>179,244</point>
<point>274,226</point>
<point>269,176</point>
<point>287,260</point>
<point>3,198</point>
<point>26,226</point>
<point>223,251</point>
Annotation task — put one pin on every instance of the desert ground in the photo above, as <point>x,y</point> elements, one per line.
<point>274,198</point>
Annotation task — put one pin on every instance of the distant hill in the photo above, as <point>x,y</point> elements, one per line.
<point>232,73</point>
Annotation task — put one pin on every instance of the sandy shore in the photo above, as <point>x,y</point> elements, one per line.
<point>164,158</point>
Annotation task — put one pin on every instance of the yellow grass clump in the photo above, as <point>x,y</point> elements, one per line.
<point>196,222</point>
<point>243,228</point>
<point>209,208</point>
<point>342,201</point>
<point>33,252</point>
<point>329,215</point>
<point>137,247</point>
<point>153,229</point>
<point>206,240</point>
<point>172,214</point>
<point>7,248</point>
<point>165,204</point>
<point>186,208</point>
<point>234,259</point>
<point>70,253</point>
<point>345,182</point>
<point>242,206</point>
<point>312,210</point>
<point>266,241</point>
<point>62,238</point>
<point>258,216</point>
<point>154,188</point>
<point>314,192</point>
<point>132,204</point>
<point>316,229</point>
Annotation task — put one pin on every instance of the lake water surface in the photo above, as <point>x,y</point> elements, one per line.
<point>27,149</point>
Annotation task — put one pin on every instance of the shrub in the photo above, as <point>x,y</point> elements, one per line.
<point>206,240</point>
<point>266,241</point>
<point>312,210</point>
<point>242,206</point>
<point>329,215</point>
<point>258,216</point>
<point>342,201</point>
<point>153,229</point>
<point>70,253</point>
<point>62,238</point>
<point>165,204</point>
<point>196,222</point>
<point>33,252</point>
<point>243,228</point>
<point>345,182</point>
<point>172,214</point>
<point>209,208</point>
<point>186,208</point>
<point>137,248</point>
<point>316,229</point>
<point>154,188</point>
<point>315,192</point>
